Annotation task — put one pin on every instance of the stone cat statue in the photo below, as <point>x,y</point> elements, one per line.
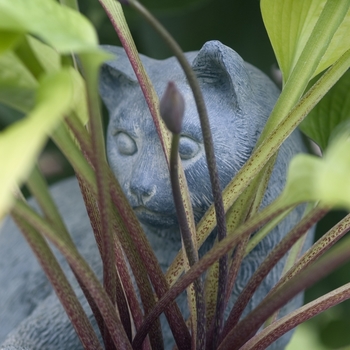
<point>239,99</point>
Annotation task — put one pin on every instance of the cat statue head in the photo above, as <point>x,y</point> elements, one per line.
<point>239,98</point>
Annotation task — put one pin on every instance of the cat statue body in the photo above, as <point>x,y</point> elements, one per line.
<point>239,99</point>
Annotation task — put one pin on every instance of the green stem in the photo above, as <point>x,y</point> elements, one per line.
<point>321,268</point>
<point>100,165</point>
<point>209,150</point>
<point>136,264</point>
<point>81,269</point>
<point>68,147</point>
<point>271,333</point>
<point>191,252</point>
<point>329,21</point>
<point>38,188</point>
<point>319,248</point>
<point>59,281</point>
<point>220,249</point>
<point>145,256</point>
<point>95,220</point>
<point>271,260</point>
<point>271,144</point>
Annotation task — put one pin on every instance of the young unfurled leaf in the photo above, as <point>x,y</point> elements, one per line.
<point>326,179</point>
<point>21,142</point>
<point>331,111</point>
<point>289,24</point>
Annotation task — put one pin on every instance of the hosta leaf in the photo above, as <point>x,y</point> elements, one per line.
<point>59,26</point>
<point>326,179</point>
<point>289,24</point>
<point>7,40</point>
<point>48,58</point>
<point>21,142</point>
<point>330,112</point>
<point>17,84</point>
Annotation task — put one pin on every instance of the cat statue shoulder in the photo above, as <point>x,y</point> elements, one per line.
<point>239,99</point>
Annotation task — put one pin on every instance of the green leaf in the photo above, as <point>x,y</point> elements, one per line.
<point>312,179</point>
<point>59,26</point>
<point>17,84</point>
<point>289,24</point>
<point>49,59</point>
<point>329,113</point>
<point>21,142</point>
<point>7,40</point>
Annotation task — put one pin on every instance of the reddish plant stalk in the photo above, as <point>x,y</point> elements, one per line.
<point>271,333</point>
<point>250,324</point>
<point>276,254</point>
<point>60,284</point>
<point>220,249</point>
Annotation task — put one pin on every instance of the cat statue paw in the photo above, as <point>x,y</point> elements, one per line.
<point>239,99</point>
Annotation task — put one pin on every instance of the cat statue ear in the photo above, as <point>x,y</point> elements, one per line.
<point>220,66</point>
<point>116,77</point>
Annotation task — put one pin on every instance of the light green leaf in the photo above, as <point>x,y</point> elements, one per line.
<point>21,142</point>
<point>8,40</point>
<point>49,59</point>
<point>330,112</point>
<point>326,179</point>
<point>17,84</point>
<point>289,24</point>
<point>59,26</point>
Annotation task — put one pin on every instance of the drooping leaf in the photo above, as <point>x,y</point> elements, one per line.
<point>330,112</point>
<point>21,142</point>
<point>59,26</point>
<point>326,179</point>
<point>289,24</point>
<point>17,84</point>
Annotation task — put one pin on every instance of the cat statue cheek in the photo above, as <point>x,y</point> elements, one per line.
<point>239,99</point>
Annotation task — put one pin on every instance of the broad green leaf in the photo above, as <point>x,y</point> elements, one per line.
<point>289,24</point>
<point>49,59</point>
<point>8,40</point>
<point>17,84</point>
<point>21,142</point>
<point>326,179</point>
<point>59,26</point>
<point>330,112</point>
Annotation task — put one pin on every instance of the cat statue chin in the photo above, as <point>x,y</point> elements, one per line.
<point>239,99</point>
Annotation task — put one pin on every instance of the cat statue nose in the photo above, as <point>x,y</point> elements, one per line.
<point>142,191</point>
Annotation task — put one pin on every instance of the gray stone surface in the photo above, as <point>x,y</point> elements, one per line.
<point>239,99</point>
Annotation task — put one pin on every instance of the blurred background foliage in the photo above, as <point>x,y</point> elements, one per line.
<point>238,24</point>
